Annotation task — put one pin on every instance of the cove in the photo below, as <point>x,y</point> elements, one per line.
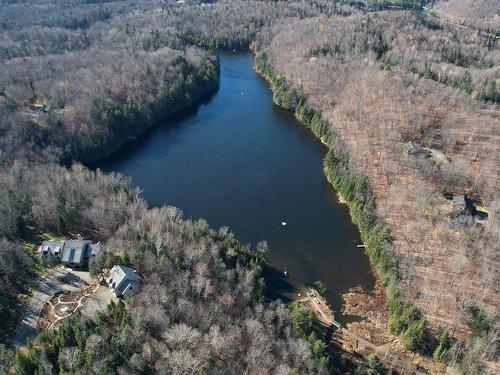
<point>240,161</point>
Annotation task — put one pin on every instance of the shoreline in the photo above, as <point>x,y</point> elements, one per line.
<point>120,145</point>
<point>352,190</point>
<point>341,199</point>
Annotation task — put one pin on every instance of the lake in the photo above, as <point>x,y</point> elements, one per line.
<point>238,160</point>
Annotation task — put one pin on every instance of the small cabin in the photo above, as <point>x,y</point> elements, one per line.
<point>413,149</point>
<point>462,205</point>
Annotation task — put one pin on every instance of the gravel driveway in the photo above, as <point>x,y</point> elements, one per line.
<point>53,281</point>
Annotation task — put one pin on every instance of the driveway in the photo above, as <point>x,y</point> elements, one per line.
<point>54,280</point>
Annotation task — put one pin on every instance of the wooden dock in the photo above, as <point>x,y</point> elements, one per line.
<point>317,304</point>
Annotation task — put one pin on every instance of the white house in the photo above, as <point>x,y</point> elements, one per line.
<point>123,281</point>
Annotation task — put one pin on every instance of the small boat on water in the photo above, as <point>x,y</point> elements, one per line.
<point>283,223</point>
<point>285,272</point>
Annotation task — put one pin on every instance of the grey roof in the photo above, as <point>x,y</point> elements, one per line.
<point>52,247</point>
<point>120,277</point>
<point>415,149</point>
<point>94,249</point>
<point>459,200</point>
<point>74,251</point>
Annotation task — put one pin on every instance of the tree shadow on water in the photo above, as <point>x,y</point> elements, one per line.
<point>166,125</point>
<point>278,286</point>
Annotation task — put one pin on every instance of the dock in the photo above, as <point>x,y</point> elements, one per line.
<point>318,305</point>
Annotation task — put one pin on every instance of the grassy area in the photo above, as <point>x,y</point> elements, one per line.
<point>33,238</point>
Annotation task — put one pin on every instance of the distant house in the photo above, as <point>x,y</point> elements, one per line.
<point>72,253</point>
<point>123,281</point>
<point>416,150</point>
<point>462,205</point>
<point>459,201</point>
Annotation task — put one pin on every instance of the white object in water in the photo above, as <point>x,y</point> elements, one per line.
<point>242,93</point>
<point>283,223</point>
<point>361,245</point>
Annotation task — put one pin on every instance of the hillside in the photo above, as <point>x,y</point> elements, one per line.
<point>81,82</point>
<point>484,14</point>
<point>381,81</point>
<point>80,79</point>
<point>198,312</point>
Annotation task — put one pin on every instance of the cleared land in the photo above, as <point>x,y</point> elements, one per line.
<point>59,293</point>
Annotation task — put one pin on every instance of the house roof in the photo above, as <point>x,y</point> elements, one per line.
<point>94,249</point>
<point>121,277</point>
<point>74,251</point>
<point>459,200</point>
<point>52,247</point>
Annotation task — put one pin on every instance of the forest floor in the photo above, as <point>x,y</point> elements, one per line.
<point>453,15</point>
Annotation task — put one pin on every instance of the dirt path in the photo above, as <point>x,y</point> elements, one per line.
<point>457,24</point>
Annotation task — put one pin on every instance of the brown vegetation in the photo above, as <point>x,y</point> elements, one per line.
<point>82,77</point>
<point>362,73</point>
<point>198,311</point>
<point>485,13</point>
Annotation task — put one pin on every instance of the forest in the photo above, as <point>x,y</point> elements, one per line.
<point>199,312</point>
<point>78,80</point>
<point>38,198</point>
<point>79,85</point>
<point>406,100</point>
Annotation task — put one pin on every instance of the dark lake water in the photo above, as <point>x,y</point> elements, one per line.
<point>237,160</point>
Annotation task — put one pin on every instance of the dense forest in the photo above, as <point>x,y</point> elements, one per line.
<point>80,79</point>
<point>78,85</point>
<point>406,99</point>
<point>199,311</point>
